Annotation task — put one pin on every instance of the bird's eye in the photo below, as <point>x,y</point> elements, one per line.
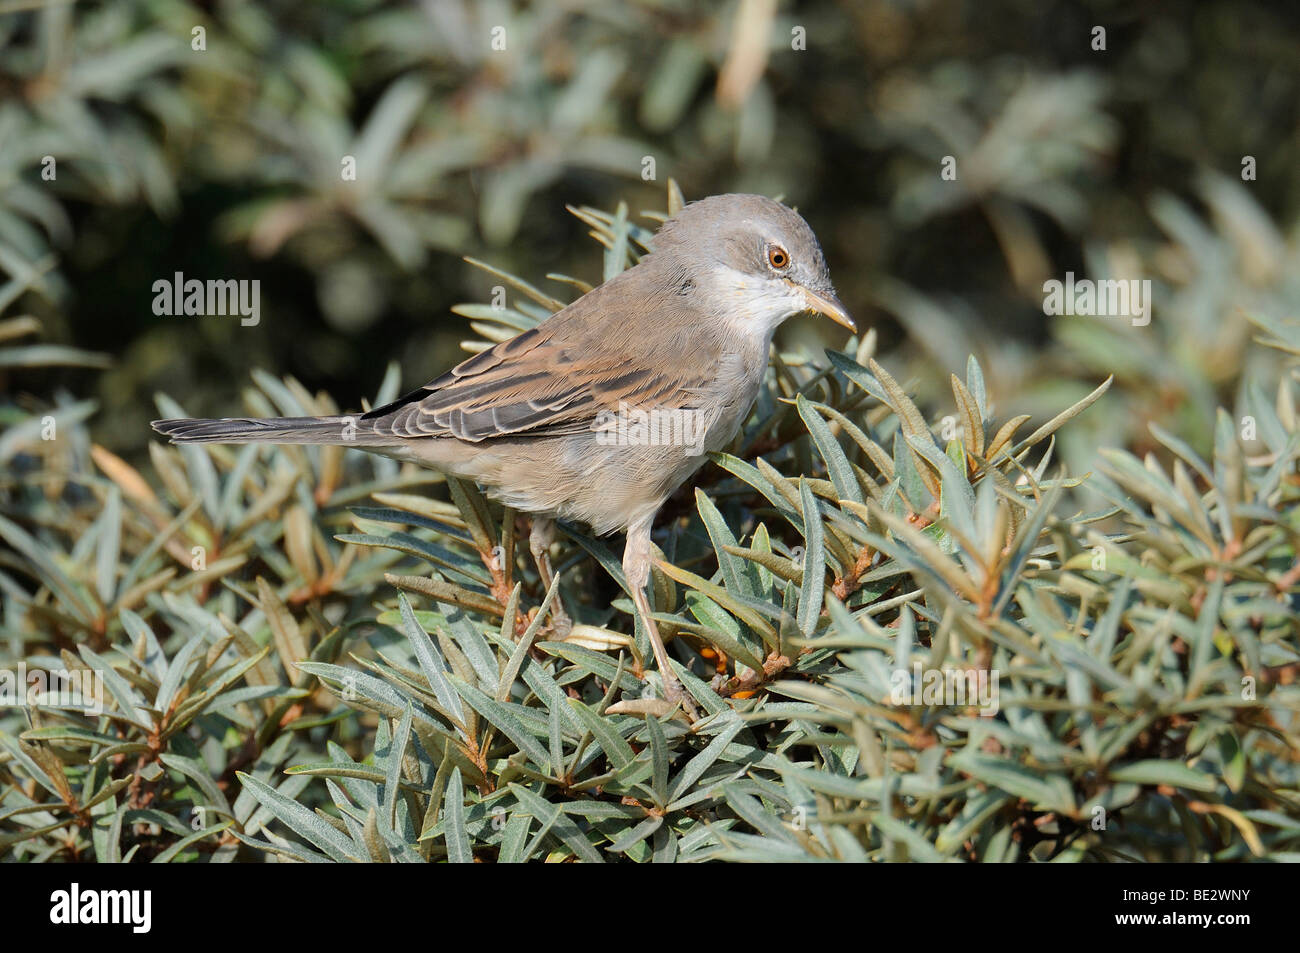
<point>777,256</point>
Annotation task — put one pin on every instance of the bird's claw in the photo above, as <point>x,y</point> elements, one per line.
<point>675,694</point>
<point>561,625</point>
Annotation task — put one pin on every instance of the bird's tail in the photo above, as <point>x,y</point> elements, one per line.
<point>348,431</point>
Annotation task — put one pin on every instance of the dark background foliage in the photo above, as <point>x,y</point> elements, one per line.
<point>218,165</point>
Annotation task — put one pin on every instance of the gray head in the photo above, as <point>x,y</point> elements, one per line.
<point>754,255</point>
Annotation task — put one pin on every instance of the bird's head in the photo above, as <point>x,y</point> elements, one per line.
<point>757,261</point>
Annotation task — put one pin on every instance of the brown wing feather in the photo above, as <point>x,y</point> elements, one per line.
<point>531,384</point>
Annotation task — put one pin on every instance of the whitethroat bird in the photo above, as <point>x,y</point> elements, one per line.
<point>682,337</point>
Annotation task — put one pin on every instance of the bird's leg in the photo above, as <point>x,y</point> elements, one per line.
<point>540,537</point>
<point>636,567</point>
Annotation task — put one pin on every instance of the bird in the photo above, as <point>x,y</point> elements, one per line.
<point>600,412</point>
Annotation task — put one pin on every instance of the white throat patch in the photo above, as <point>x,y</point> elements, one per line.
<point>754,305</point>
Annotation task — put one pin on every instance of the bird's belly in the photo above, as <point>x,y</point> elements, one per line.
<point>607,485</point>
<point>616,479</point>
<point>608,477</point>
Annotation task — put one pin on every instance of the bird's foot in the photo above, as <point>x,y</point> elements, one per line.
<point>561,624</point>
<point>677,695</point>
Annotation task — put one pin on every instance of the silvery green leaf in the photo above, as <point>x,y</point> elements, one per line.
<point>814,561</point>
<point>301,821</point>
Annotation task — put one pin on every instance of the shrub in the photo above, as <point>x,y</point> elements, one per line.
<point>313,655</point>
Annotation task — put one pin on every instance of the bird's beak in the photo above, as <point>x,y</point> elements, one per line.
<point>828,305</point>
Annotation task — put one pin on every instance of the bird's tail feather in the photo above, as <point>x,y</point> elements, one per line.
<point>349,431</point>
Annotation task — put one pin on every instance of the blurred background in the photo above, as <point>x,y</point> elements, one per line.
<point>139,138</point>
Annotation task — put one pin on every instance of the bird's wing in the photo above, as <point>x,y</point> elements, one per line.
<point>534,384</point>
